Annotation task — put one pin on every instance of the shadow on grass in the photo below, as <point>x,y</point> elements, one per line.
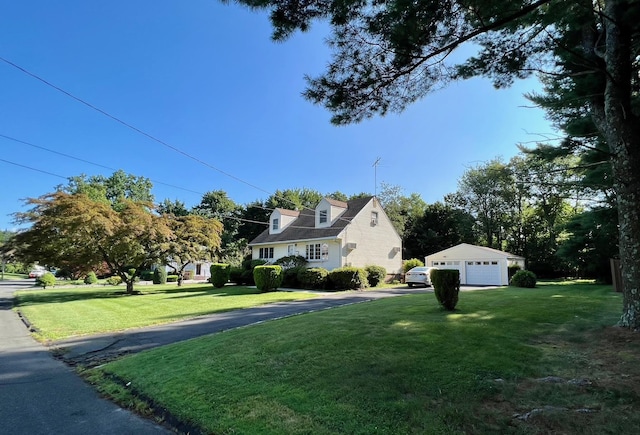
<point>53,296</point>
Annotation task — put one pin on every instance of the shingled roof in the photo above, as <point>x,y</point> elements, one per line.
<point>304,227</point>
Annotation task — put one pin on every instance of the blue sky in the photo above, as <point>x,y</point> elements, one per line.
<point>206,79</point>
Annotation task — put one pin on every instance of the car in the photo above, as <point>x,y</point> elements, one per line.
<point>37,273</point>
<point>418,276</point>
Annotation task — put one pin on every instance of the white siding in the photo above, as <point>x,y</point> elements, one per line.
<point>376,245</point>
<point>471,273</point>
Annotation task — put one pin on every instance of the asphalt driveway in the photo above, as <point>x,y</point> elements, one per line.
<point>43,395</point>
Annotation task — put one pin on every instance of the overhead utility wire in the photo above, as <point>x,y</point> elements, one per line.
<point>126,124</point>
<point>33,169</point>
<point>89,162</point>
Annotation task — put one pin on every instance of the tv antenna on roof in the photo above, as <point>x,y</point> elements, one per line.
<point>375,176</point>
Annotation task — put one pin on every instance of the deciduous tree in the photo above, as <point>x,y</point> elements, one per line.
<point>71,230</point>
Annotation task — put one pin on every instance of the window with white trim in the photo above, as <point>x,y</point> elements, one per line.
<point>313,252</point>
<point>374,218</point>
<point>323,216</point>
<point>266,253</point>
<point>276,223</point>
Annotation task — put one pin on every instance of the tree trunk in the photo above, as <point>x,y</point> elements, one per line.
<point>621,128</point>
<point>129,283</point>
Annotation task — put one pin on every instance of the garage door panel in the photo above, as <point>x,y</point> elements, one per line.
<point>483,273</point>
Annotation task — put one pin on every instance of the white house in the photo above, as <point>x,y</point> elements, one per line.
<point>335,234</point>
<point>478,265</point>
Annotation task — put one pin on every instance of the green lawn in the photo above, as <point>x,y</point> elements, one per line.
<point>402,366</point>
<point>65,312</point>
<point>14,276</point>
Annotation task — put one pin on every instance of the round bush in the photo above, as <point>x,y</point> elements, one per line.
<point>267,278</point>
<point>220,274</point>
<point>46,280</point>
<point>160,276</point>
<point>375,275</point>
<point>411,263</point>
<point>91,278</point>
<point>523,278</point>
<point>291,261</point>
<point>114,280</point>
<point>446,286</point>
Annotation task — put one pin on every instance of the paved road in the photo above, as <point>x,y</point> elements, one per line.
<point>96,349</point>
<point>41,395</point>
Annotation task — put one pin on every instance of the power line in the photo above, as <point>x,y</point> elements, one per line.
<point>33,169</point>
<point>137,130</point>
<point>130,126</point>
<point>88,162</point>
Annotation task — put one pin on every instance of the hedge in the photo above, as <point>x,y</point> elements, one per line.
<point>314,278</point>
<point>267,278</point>
<point>348,278</point>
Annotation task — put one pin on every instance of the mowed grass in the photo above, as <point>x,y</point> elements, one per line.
<point>65,312</point>
<point>401,366</point>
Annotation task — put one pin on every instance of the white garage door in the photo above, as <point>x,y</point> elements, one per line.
<point>483,273</point>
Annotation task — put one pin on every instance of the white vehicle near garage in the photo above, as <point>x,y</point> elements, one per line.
<point>418,276</point>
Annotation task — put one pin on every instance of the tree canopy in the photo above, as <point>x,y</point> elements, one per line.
<point>387,54</point>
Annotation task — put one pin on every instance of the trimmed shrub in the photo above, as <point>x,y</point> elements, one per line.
<point>235,275</point>
<point>114,280</point>
<point>511,270</point>
<point>348,278</point>
<point>523,278</point>
<point>446,286</point>
<point>172,278</point>
<point>291,262</point>
<point>411,263</point>
<point>160,276</point>
<point>146,275</point>
<point>291,279</point>
<point>46,280</point>
<point>314,278</point>
<point>91,278</point>
<point>268,277</point>
<point>220,274</point>
<point>375,275</point>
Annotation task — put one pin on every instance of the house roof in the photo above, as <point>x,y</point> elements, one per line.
<point>304,227</point>
<point>336,203</point>
<point>466,247</point>
<point>288,212</point>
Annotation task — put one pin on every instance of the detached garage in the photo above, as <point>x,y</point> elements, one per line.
<point>478,265</point>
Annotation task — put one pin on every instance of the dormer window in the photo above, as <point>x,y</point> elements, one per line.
<point>276,224</point>
<point>323,216</point>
